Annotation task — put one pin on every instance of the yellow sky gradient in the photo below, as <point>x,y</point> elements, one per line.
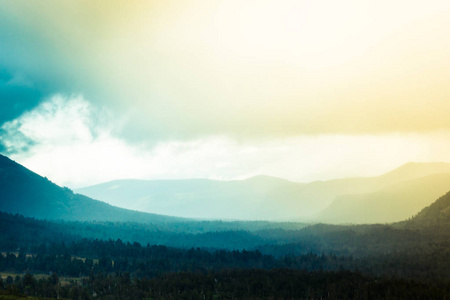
<point>255,73</point>
<point>258,67</point>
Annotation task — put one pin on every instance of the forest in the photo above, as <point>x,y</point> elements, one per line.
<point>158,257</point>
<point>227,284</point>
<point>154,150</point>
<point>46,259</point>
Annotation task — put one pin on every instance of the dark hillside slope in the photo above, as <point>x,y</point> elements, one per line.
<point>435,215</point>
<point>25,192</point>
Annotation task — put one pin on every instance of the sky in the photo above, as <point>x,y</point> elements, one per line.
<point>92,91</point>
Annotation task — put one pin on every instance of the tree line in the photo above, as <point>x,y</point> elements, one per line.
<point>227,284</point>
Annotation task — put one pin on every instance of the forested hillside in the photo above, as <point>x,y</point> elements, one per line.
<point>25,192</point>
<point>159,257</point>
<point>381,262</point>
<point>435,216</point>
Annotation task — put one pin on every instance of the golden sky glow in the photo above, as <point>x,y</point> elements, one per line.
<point>251,70</point>
<point>257,67</point>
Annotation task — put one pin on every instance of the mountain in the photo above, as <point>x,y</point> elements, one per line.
<point>392,204</point>
<point>414,170</point>
<point>197,198</point>
<point>436,215</point>
<point>25,192</point>
<point>261,197</point>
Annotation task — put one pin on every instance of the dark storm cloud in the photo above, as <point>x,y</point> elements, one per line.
<point>16,97</point>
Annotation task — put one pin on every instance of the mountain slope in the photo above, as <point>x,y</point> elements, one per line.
<point>392,204</point>
<point>260,197</point>
<point>435,215</point>
<point>27,193</point>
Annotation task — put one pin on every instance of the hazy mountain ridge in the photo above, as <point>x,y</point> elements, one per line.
<point>392,204</point>
<point>197,198</point>
<point>27,193</point>
<point>260,197</point>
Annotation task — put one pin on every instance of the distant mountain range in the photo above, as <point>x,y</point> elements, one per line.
<point>391,204</point>
<point>251,199</point>
<point>390,197</point>
<point>25,192</point>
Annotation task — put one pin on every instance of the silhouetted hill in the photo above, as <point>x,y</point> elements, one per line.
<point>25,192</point>
<point>392,204</point>
<point>437,214</point>
<point>260,197</point>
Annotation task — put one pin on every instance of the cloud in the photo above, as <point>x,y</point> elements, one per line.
<point>74,143</point>
<point>261,69</point>
<point>67,138</point>
<point>18,93</point>
<point>55,122</point>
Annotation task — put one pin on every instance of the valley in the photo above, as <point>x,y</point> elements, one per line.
<point>224,150</point>
<point>89,244</point>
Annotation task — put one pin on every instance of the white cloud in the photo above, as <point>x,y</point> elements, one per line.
<point>72,143</point>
